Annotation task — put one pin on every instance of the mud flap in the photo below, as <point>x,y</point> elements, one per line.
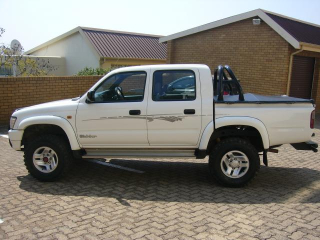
<point>265,158</point>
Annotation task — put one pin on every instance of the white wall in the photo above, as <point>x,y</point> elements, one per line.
<point>58,64</point>
<point>76,52</point>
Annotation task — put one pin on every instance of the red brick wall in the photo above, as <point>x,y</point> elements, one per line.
<point>26,91</point>
<point>257,54</point>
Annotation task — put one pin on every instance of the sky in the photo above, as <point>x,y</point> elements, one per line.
<point>34,22</point>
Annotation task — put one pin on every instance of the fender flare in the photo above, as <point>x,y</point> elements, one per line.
<point>232,121</point>
<point>53,120</point>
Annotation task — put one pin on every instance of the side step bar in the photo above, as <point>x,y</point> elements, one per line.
<point>139,153</point>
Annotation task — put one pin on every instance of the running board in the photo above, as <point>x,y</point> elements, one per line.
<point>140,153</point>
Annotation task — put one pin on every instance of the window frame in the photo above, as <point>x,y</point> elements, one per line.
<point>175,100</point>
<point>125,101</point>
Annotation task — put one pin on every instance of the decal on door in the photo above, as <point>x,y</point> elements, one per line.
<point>163,117</point>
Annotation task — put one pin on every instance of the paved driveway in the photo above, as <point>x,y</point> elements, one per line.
<point>170,200</point>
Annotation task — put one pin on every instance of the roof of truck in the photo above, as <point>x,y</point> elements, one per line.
<point>162,66</point>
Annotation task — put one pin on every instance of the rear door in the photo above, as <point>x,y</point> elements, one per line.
<point>174,108</point>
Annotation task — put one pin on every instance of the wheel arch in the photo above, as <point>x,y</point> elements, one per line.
<point>60,127</point>
<point>212,132</point>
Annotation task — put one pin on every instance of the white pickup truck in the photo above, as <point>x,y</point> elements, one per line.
<point>163,111</point>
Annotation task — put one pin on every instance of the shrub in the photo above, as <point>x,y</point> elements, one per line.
<point>88,71</point>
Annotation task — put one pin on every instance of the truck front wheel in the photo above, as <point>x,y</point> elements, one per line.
<point>48,157</point>
<point>234,162</point>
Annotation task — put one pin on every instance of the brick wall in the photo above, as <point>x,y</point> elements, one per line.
<point>257,54</point>
<point>26,91</point>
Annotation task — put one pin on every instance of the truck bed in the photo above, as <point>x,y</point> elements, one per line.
<point>287,119</point>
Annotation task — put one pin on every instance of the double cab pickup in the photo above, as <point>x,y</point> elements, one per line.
<point>163,111</point>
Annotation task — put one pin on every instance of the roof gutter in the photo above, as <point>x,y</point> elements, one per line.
<point>310,47</point>
<point>290,69</point>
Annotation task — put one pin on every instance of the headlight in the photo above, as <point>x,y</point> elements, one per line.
<point>12,122</point>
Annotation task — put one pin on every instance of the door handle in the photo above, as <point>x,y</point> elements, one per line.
<point>134,112</point>
<point>189,111</point>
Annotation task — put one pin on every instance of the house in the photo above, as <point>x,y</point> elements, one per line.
<point>90,47</point>
<point>270,53</point>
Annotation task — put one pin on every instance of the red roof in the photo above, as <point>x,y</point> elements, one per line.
<point>302,32</point>
<point>126,45</point>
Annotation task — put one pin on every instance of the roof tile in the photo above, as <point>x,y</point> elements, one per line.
<point>125,45</point>
<point>303,32</point>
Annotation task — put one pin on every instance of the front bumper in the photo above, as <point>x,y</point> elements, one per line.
<point>15,137</point>
<point>305,146</point>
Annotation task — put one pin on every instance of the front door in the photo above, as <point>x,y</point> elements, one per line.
<point>174,108</point>
<point>117,116</point>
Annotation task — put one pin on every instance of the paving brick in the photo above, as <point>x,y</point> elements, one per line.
<point>297,235</point>
<point>172,199</point>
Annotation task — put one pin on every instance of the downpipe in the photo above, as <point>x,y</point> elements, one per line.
<point>290,70</point>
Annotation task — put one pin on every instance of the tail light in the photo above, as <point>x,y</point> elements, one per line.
<point>312,119</point>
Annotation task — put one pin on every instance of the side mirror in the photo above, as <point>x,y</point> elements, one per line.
<point>90,96</point>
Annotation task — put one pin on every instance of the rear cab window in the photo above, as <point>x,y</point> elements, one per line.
<point>174,85</point>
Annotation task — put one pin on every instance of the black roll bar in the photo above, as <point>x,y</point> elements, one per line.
<point>219,72</point>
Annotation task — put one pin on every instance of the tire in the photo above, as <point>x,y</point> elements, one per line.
<point>48,157</point>
<point>233,162</point>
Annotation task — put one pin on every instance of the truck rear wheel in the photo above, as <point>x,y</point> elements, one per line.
<point>234,162</point>
<point>48,157</point>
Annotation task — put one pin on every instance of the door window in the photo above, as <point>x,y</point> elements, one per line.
<point>177,85</point>
<point>122,87</point>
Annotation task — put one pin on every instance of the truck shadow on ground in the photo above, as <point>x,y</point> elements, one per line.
<point>179,182</point>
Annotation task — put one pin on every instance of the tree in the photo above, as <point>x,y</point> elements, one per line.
<point>1,31</point>
<point>13,62</point>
